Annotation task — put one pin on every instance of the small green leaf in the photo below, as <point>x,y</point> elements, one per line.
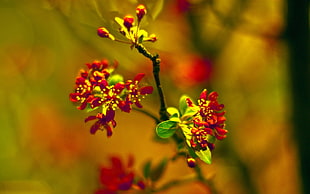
<point>191,152</point>
<point>204,155</point>
<point>173,112</point>
<point>175,119</point>
<point>114,79</point>
<point>140,40</point>
<point>189,112</point>
<point>157,171</point>
<point>88,108</point>
<point>147,169</point>
<point>183,104</point>
<point>166,129</point>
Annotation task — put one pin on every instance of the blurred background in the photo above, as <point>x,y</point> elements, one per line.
<point>240,48</point>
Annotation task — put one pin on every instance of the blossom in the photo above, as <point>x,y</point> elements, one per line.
<point>98,87</point>
<point>129,29</point>
<point>83,90</point>
<point>135,93</point>
<point>104,121</point>
<point>208,122</point>
<point>118,177</point>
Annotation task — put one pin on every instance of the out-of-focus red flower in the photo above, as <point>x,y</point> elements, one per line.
<point>182,5</point>
<point>192,70</point>
<point>118,177</point>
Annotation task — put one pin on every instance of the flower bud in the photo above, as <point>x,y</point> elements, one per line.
<point>191,162</point>
<point>140,11</point>
<point>151,38</point>
<point>104,33</point>
<point>128,21</point>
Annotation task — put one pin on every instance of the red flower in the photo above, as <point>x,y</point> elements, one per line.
<point>135,93</point>
<point>209,120</point>
<point>118,177</point>
<point>105,121</point>
<point>83,91</point>
<point>93,90</point>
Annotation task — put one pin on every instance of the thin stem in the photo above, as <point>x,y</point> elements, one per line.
<point>147,113</point>
<point>156,68</point>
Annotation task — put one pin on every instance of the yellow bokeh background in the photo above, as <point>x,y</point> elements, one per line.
<point>45,146</point>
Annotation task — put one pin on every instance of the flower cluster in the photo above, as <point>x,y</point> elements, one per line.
<point>129,29</point>
<point>118,177</point>
<point>208,122</point>
<point>201,125</point>
<point>97,87</point>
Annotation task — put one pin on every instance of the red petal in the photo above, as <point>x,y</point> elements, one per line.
<point>146,90</point>
<point>220,137</point>
<point>203,94</point>
<point>213,96</point>
<point>83,105</point>
<point>90,118</point>
<point>125,106</point>
<point>73,97</point>
<point>109,130</point>
<point>119,87</point>
<point>95,127</point>
<point>110,115</point>
<point>138,104</point>
<point>117,163</point>
<point>189,102</point>
<point>221,131</point>
<point>139,77</point>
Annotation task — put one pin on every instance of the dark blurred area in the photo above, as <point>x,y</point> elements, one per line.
<point>254,53</point>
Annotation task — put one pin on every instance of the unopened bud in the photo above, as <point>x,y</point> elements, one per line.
<point>140,11</point>
<point>104,33</point>
<point>191,162</point>
<point>128,21</point>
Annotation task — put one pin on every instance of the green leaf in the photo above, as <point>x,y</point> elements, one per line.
<point>166,129</point>
<point>157,171</point>
<point>147,169</point>
<point>186,129</point>
<point>175,119</point>
<point>191,152</point>
<point>88,108</point>
<point>204,155</point>
<point>189,112</point>
<point>140,40</point>
<point>173,112</point>
<point>114,79</point>
<point>182,104</point>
